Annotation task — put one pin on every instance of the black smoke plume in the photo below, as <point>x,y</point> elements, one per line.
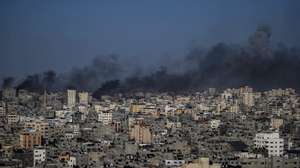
<point>32,83</point>
<point>258,64</point>
<point>109,87</point>
<point>8,82</point>
<point>39,82</point>
<point>103,68</point>
<point>49,80</point>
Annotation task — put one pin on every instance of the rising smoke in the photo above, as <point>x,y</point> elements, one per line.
<point>257,64</point>
<point>8,82</point>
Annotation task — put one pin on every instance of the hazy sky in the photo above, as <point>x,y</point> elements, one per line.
<point>39,35</point>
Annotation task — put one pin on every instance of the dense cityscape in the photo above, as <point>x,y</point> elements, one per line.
<point>235,127</point>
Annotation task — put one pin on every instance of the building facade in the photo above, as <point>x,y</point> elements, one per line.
<point>71,98</point>
<point>271,141</point>
<point>29,139</point>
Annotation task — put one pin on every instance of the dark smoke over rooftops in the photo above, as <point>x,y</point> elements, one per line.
<point>103,68</point>
<point>8,82</point>
<point>258,64</point>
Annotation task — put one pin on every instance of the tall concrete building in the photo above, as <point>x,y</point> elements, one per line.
<point>71,98</point>
<point>83,98</point>
<point>248,99</point>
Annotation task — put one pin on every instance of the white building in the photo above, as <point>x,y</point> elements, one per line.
<point>72,161</point>
<point>39,156</point>
<point>71,98</point>
<point>214,124</point>
<point>105,117</point>
<point>271,141</point>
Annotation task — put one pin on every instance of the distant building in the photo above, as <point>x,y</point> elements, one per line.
<point>2,110</point>
<point>71,98</point>
<point>271,141</point>
<point>39,156</point>
<point>83,98</point>
<point>246,89</point>
<point>13,118</point>
<point>105,117</point>
<point>201,163</point>
<point>9,93</point>
<point>261,162</point>
<point>276,123</point>
<point>214,124</point>
<point>38,126</point>
<point>136,107</point>
<point>29,139</point>
<point>248,99</point>
<point>174,163</point>
<point>141,134</point>
<point>3,116</point>
<point>72,161</point>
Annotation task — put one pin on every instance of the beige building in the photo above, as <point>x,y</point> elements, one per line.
<point>136,107</point>
<point>234,108</point>
<point>276,123</point>
<point>13,118</point>
<point>38,125</point>
<point>248,99</point>
<point>141,134</point>
<point>29,139</point>
<point>83,98</point>
<point>201,163</point>
<point>134,121</point>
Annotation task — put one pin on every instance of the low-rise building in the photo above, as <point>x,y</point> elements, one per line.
<point>39,156</point>
<point>271,141</point>
<point>105,117</point>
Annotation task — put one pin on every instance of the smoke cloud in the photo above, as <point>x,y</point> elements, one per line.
<point>258,64</point>
<point>8,82</point>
